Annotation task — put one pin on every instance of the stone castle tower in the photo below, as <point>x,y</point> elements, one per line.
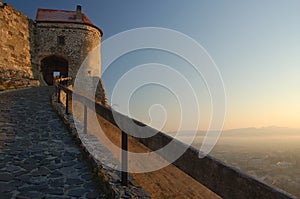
<point>57,41</point>
<point>63,40</point>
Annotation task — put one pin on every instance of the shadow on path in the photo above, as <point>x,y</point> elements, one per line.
<point>38,158</point>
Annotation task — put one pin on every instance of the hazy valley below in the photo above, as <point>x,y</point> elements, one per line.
<point>270,154</point>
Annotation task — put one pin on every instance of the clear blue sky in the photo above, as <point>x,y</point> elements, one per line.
<point>255,44</point>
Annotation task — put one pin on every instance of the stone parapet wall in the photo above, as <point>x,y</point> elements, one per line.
<point>15,49</point>
<point>226,181</point>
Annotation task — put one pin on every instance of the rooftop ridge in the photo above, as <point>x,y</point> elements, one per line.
<point>62,16</point>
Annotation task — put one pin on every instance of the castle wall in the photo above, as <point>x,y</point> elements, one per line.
<point>80,47</point>
<point>16,45</point>
<point>24,44</point>
<point>78,41</point>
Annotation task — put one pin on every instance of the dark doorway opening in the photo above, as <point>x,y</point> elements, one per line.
<point>53,64</point>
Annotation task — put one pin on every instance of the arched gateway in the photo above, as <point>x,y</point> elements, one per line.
<point>52,64</point>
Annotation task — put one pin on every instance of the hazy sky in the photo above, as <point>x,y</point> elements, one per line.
<point>255,44</point>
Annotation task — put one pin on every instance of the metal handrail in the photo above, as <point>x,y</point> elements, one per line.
<point>224,180</point>
<point>105,112</point>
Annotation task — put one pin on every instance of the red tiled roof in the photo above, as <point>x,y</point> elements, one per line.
<point>61,16</point>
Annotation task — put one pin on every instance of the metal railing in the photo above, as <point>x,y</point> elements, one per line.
<point>224,180</point>
<point>103,111</point>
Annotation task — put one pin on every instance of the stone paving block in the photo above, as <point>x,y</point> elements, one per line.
<point>38,158</point>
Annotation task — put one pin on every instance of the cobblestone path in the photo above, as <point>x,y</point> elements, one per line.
<point>38,159</point>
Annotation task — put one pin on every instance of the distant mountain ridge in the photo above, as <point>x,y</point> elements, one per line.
<point>274,130</point>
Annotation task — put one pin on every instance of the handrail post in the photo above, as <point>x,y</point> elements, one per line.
<point>58,95</point>
<point>124,174</point>
<point>67,103</point>
<point>56,87</point>
<point>85,119</point>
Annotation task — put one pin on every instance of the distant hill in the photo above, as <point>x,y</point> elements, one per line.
<point>251,131</point>
<point>265,137</point>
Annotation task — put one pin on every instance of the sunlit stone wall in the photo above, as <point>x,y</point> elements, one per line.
<point>16,46</point>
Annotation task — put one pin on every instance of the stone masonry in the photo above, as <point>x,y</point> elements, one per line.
<point>16,49</point>
<point>58,40</point>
